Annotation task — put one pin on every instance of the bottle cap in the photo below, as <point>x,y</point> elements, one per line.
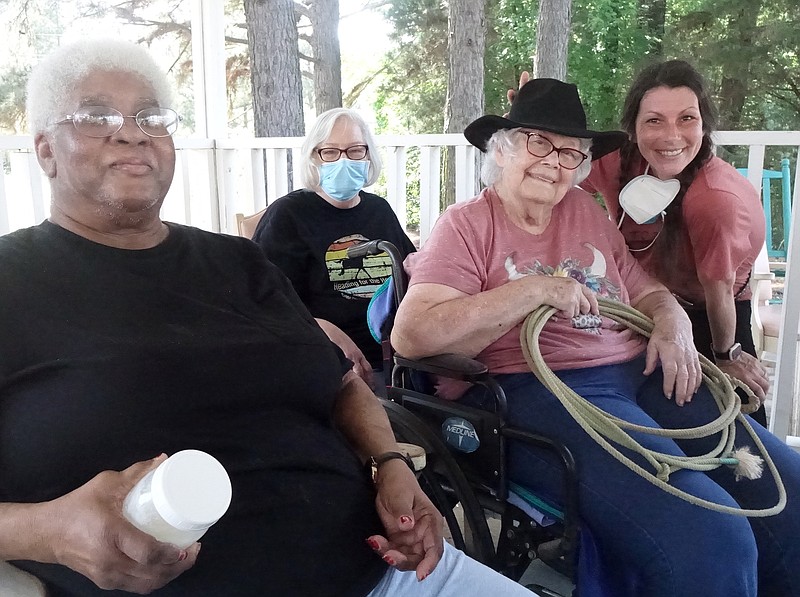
<point>191,490</point>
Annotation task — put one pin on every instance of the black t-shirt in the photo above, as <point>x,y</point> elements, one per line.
<point>111,356</point>
<point>307,238</point>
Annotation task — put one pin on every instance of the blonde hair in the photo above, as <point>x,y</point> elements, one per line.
<point>53,80</point>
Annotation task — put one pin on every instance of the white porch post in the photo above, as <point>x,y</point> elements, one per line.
<point>784,417</point>
<point>210,88</point>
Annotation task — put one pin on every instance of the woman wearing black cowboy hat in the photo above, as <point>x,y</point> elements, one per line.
<point>532,238</point>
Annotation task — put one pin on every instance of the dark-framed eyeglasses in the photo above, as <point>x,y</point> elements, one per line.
<point>354,152</point>
<point>540,146</point>
<point>103,121</point>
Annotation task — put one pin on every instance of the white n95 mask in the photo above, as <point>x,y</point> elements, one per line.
<point>646,197</point>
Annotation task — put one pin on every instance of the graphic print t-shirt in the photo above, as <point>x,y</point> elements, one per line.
<point>475,247</point>
<point>307,238</point>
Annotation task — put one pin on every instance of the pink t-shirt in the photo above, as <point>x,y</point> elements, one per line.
<point>724,226</point>
<point>475,247</point>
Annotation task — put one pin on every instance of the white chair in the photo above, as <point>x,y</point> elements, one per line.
<point>766,319</point>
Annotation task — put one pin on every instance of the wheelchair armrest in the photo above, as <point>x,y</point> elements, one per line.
<point>451,365</point>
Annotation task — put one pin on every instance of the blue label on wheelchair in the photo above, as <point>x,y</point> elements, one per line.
<point>460,434</point>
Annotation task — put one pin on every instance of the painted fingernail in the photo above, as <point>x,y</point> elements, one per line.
<point>389,560</point>
<point>405,519</point>
<point>423,577</point>
<point>373,544</point>
<point>182,555</point>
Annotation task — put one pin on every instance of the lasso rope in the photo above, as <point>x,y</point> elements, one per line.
<point>605,428</point>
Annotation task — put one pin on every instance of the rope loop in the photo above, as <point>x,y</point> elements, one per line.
<point>613,433</point>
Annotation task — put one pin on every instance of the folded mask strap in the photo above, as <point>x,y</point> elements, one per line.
<point>652,242</point>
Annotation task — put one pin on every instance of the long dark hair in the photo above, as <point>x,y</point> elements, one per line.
<point>672,73</point>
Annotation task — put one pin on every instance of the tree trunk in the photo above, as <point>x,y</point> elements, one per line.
<point>327,56</point>
<point>274,68</point>
<point>736,75</point>
<point>653,16</point>
<point>465,50</point>
<point>552,39</point>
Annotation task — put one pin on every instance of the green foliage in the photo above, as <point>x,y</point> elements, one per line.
<point>412,95</point>
<point>607,44</point>
<point>12,99</point>
<point>510,44</point>
<point>748,49</point>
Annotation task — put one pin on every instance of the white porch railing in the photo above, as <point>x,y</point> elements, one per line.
<point>216,178</point>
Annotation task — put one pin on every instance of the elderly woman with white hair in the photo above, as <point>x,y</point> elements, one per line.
<point>124,338</point>
<point>530,239</point>
<point>307,232</point>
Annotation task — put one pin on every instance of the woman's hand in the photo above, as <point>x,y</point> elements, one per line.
<point>85,531</point>
<point>361,365</point>
<point>671,344</point>
<point>524,77</point>
<point>413,525</point>
<point>749,370</point>
<point>569,296</point>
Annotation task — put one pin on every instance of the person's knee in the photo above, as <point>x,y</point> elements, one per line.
<point>722,548</point>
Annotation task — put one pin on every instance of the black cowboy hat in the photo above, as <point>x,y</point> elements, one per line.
<point>546,105</point>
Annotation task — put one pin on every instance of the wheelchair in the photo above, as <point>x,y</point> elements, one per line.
<point>466,458</point>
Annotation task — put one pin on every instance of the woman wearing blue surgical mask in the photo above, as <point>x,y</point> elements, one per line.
<point>307,232</point>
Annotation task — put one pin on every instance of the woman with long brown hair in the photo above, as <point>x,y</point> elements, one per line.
<point>689,217</point>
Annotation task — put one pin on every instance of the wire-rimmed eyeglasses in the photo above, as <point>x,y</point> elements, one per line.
<point>103,121</point>
<point>540,146</point>
<point>354,152</point>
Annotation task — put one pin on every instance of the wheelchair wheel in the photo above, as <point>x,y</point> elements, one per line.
<point>446,486</point>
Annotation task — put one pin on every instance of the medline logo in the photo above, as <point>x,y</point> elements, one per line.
<point>460,434</point>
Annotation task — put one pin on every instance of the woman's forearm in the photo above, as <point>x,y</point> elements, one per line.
<point>721,311</point>
<point>358,414</point>
<point>434,320</point>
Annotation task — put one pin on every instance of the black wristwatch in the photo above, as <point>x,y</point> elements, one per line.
<point>733,353</point>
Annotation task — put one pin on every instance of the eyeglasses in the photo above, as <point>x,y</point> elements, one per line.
<point>540,147</point>
<point>331,154</point>
<point>102,121</point>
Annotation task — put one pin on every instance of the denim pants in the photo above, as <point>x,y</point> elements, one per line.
<point>665,545</point>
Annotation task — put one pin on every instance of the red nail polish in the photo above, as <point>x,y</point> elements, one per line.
<point>405,519</point>
<point>389,560</point>
<point>373,544</point>
<point>182,555</point>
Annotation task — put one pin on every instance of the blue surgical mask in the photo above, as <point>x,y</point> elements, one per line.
<point>343,179</point>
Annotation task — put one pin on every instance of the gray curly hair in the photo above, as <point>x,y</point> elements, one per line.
<point>504,141</point>
<point>58,74</point>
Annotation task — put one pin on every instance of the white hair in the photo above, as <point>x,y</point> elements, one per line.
<point>54,79</point>
<point>307,169</point>
<point>503,140</point>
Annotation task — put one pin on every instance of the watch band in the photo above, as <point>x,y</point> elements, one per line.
<point>731,354</point>
<point>374,462</point>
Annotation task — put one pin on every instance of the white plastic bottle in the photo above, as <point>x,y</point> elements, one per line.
<point>180,499</point>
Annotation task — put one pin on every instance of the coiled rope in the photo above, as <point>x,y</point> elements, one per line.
<point>605,428</point>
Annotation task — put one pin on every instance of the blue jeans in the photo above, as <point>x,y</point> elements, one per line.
<point>673,548</point>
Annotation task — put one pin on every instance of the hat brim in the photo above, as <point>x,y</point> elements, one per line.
<point>603,142</point>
